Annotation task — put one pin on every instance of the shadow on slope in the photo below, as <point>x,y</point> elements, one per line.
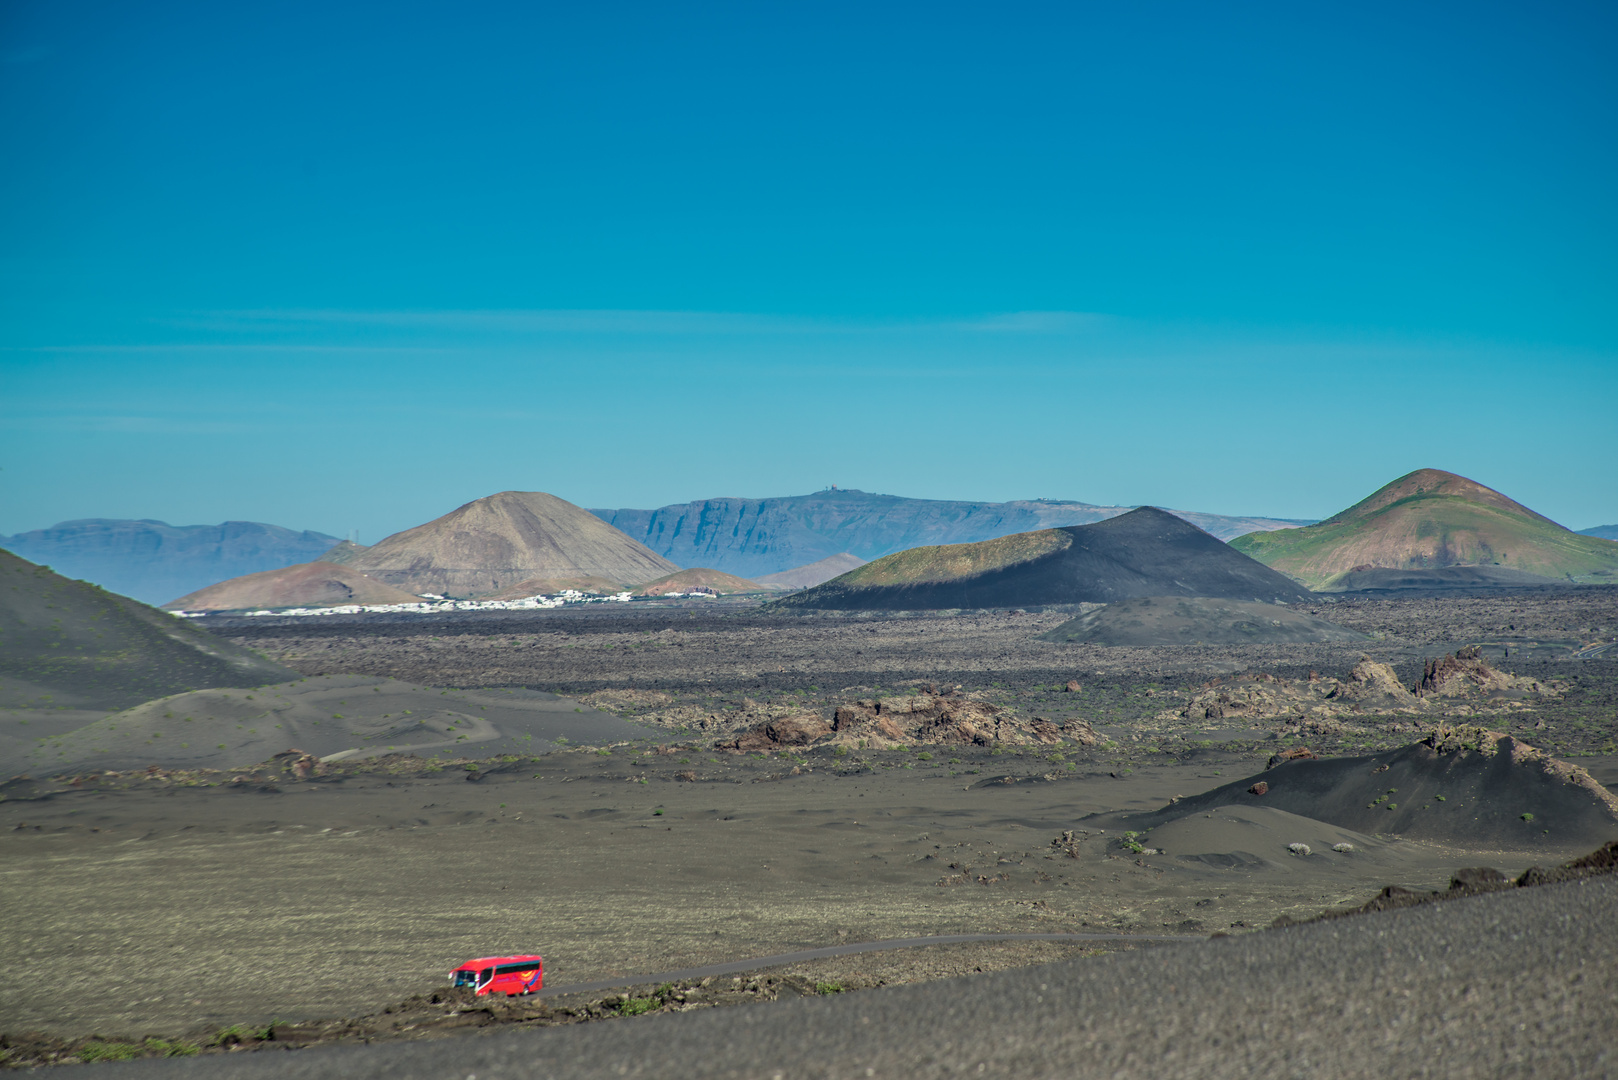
<point>1443,579</point>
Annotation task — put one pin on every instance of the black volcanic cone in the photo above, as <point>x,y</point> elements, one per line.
<point>1146,552</point>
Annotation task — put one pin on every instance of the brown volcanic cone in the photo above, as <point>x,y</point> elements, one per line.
<point>816,573</point>
<point>315,584</point>
<point>496,542</point>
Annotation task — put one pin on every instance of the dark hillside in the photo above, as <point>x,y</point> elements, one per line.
<point>70,644</point>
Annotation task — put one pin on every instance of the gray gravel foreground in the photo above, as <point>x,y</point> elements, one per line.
<point>760,963</point>
<point>1518,983</point>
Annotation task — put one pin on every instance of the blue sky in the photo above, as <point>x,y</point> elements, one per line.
<point>348,266</point>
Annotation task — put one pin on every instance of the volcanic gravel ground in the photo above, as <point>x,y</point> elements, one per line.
<point>722,657</point>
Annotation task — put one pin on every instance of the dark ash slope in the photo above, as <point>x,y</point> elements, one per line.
<point>1146,552</point>
<point>70,644</point>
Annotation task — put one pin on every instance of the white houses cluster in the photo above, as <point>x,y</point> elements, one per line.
<point>432,604</point>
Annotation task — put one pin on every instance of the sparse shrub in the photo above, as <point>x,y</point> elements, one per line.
<point>636,1006</point>
<point>166,1048</point>
<point>106,1051</point>
<point>828,988</point>
<point>841,751</point>
<point>924,756</point>
<point>1300,849</point>
<point>1528,817</point>
<point>1342,847</point>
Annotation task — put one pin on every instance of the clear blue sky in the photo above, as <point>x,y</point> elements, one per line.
<point>348,266</point>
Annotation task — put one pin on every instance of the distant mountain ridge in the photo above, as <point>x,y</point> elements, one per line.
<point>1603,532</point>
<point>153,561</point>
<point>754,538</point>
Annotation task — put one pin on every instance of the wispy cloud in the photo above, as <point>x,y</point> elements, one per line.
<point>129,424</point>
<point>619,322</point>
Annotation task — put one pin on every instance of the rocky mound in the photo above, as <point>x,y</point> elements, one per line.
<point>493,543</point>
<point>805,577</point>
<point>1429,520</point>
<point>1461,685</point>
<point>1173,620</point>
<point>700,579</point>
<point>1465,785</point>
<point>929,717</point>
<point>70,645</point>
<point>1146,552</point>
<point>316,584</point>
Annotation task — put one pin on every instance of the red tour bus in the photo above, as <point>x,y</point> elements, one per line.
<point>509,975</point>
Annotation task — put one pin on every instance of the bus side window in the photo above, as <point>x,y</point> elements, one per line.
<point>485,975</point>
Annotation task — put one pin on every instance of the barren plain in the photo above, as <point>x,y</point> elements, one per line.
<point>177,905</point>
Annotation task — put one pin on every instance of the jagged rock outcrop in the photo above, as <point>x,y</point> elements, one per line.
<point>928,717</point>
<point>783,734</point>
<point>1467,675</point>
<point>1458,685</point>
<point>948,718</point>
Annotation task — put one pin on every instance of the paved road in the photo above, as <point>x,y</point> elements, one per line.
<point>758,963</point>
<point>1521,983</point>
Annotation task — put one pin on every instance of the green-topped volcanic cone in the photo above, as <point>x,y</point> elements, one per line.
<point>1430,520</point>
